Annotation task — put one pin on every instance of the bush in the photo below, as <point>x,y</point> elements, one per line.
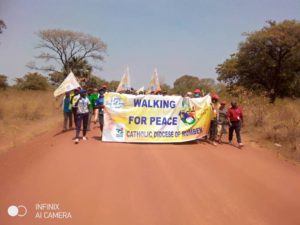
<point>3,82</point>
<point>32,81</point>
<point>278,123</point>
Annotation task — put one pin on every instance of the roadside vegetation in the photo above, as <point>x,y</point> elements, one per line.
<point>25,114</point>
<point>264,75</point>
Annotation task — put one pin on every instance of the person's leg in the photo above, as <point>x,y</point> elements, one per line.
<point>223,131</point>
<point>65,120</point>
<point>238,132</point>
<point>78,124</point>
<point>218,132</point>
<point>211,130</point>
<point>89,120</point>
<point>231,128</point>
<point>96,115</point>
<point>214,131</point>
<point>101,123</point>
<point>74,116</point>
<point>70,119</point>
<point>85,118</point>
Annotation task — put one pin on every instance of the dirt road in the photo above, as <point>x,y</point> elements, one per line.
<point>95,183</point>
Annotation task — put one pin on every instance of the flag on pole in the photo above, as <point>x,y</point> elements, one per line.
<point>142,89</point>
<point>124,84</point>
<point>70,83</point>
<point>154,82</point>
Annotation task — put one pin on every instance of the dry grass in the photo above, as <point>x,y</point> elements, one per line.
<point>277,123</point>
<point>24,114</point>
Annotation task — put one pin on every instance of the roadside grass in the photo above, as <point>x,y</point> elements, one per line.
<point>25,114</point>
<point>277,125</point>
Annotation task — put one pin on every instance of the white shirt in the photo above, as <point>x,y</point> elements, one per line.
<point>83,105</point>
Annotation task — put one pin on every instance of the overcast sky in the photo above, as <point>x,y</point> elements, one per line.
<point>176,37</point>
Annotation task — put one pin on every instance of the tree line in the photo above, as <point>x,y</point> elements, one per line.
<point>266,63</point>
<point>182,85</point>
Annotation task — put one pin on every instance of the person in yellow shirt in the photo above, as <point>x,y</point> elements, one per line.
<point>74,97</point>
<point>214,120</point>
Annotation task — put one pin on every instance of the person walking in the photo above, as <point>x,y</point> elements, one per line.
<point>74,99</point>
<point>82,115</point>
<point>99,104</point>
<point>222,121</point>
<point>92,96</point>
<point>214,120</point>
<point>235,120</point>
<point>66,105</point>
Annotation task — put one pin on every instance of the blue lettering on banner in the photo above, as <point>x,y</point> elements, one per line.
<point>148,103</point>
<point>158,121</point>
<point>191,132</point>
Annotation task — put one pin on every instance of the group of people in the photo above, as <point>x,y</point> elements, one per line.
<point>222,118</point>
<point>83,106</point>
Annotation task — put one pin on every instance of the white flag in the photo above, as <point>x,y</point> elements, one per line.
<point>142,89</point>
<point>154,82</point>
<point>70,83</point>
<point>125,82</point>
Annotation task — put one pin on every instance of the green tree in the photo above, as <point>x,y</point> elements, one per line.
<point>207,85</point>
<point>186,83</point>
<point>165,88</point>
<point>267,61</point>
<point>32,81</point>
<point>62,47</point>
<point>113,85</point>
<point>56,78</point>
<point>3,82</point>
<point>80,67</point>
<point>95,82</point>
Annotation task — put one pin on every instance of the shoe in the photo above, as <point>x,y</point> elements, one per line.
<point>76,140</point>
<point>230,142</point>
<point>241,144</point>
<point>84,138</point>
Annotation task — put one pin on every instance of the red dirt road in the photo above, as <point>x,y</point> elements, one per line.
<point>140,184</point>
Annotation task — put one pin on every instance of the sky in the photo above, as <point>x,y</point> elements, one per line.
<point>176,37</point>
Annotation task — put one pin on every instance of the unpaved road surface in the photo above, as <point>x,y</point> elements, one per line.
<point>98,183</point>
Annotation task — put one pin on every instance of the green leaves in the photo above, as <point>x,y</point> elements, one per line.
<point>268,60</point>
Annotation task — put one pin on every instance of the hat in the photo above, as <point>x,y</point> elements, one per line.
<point>189,93</point>
<point>197,91</point>
<point>215,96</point>
<point>101,89</point>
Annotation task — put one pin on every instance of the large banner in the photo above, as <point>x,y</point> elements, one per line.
<point>155,118</point>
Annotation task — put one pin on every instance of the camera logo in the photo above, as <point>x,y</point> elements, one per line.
<point>19,210</point>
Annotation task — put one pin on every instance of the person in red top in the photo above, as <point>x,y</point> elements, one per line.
<point>235,120</point>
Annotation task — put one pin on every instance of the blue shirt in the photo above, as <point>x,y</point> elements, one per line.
<point>100,102</point>
<point>67,102</point>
